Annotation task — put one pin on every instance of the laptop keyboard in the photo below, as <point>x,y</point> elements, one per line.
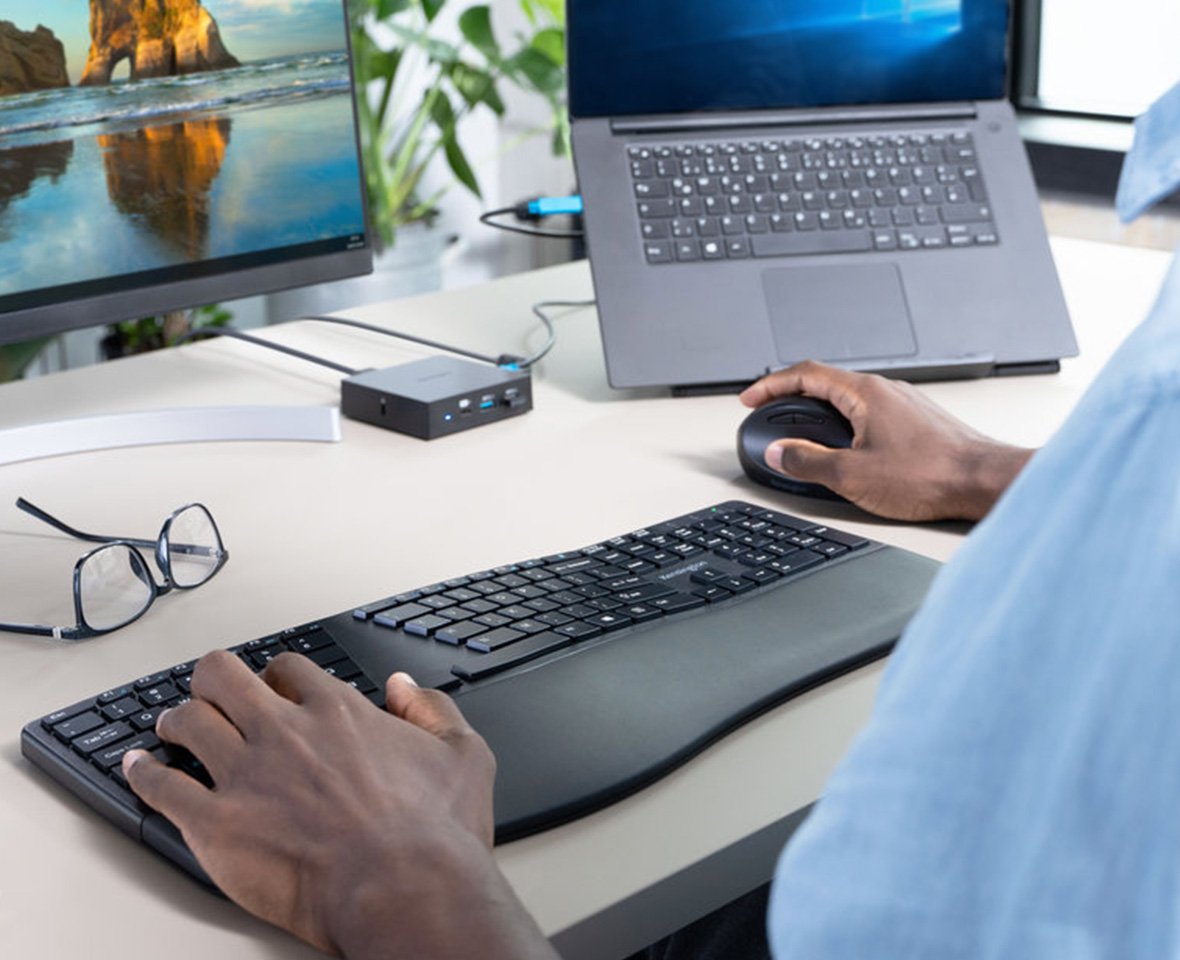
<point>732,200</point>
<point>536,651</point>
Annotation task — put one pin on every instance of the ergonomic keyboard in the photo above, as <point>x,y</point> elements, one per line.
<point>591,673</point>
<point>726,200</point>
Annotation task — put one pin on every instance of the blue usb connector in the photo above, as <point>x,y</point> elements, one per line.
<point>551,206</point>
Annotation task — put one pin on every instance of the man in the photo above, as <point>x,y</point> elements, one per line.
<point>1015,793</point>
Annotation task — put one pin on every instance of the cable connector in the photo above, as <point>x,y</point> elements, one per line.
<point>540,207</point>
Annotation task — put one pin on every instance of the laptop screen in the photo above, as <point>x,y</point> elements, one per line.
<point>650,56</point>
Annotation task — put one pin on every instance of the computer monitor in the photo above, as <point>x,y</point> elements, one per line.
<point>164,154</point>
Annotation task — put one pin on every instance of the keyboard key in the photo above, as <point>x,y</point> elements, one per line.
<point>678,602</point>
<point>799,560</point>
<point>345,669</point>
<point>966,213</point>
<point>425,626</point>
<point>395,616</point>
<point>102,737</point>
<point>495,639</point>
<point>113,756</point>
<point>528,649</point>
<point>458,633</point>
<point>77,725</point>
<point>785,244</point>
<point>579,630</point>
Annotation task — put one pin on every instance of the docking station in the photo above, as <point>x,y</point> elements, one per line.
<point>436,396</point>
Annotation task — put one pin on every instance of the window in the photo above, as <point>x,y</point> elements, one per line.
<point>1094,57</point>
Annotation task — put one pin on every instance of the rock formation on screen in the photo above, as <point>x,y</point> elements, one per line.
<point>160,38</point>
<point>30,61</point>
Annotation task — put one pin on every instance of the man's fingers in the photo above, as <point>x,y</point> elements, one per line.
<point>176,795</point>
<point>203,730</point>
<point>807,461</point>
<point>814,379</point>
<point>431,710</point>
<point>227,683</point>
<point>297,678</point>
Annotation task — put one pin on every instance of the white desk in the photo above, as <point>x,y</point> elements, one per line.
<point>317,528</point>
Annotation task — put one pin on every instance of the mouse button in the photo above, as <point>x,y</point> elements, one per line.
<point>779,419</point>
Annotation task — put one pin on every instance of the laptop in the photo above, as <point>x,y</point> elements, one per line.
<point>777,180</point>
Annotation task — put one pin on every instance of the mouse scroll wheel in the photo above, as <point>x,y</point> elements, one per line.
<point>782,418</point>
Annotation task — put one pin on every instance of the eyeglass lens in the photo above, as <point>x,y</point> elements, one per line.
<point>194,548</point>
<point>115,586</point>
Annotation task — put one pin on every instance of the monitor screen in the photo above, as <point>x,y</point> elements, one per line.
<point>169,153</point>
<point>631,57</point>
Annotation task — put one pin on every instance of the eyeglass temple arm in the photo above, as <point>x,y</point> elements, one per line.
<point>36,630</point>
<point>40,514</point>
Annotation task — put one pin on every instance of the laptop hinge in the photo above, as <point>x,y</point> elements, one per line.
<point>681,123</point>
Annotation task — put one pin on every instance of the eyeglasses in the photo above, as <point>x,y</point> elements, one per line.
<point>113,584</point>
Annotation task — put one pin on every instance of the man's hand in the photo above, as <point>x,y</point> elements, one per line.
<point>909,460</point>
<point>365,833</point>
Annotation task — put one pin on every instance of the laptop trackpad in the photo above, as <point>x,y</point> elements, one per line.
<point>838,312</point>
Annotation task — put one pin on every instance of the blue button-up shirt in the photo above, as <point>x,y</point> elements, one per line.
<point>1016,793</point>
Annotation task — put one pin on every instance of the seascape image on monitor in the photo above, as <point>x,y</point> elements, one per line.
<point>164,137</point>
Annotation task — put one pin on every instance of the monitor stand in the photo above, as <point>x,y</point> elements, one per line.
<point>176,425</point>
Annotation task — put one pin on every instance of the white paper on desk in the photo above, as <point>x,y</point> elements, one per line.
<point>1151,169</point>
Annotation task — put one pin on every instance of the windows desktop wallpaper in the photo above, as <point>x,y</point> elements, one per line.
<point>165,134</point>
<point>647,56</point>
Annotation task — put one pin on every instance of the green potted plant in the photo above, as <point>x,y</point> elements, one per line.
<point>15,358</point>
<point>129,337</point>
<point>451,78</point>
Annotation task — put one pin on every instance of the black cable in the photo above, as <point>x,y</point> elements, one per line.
<point>486,218</point>
<point>495,361</point>
<point>539,311</point>
<point>239,335</point>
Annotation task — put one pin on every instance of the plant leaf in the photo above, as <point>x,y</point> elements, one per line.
<point>554,10</point>
<point>476,87</point>
<point>444,118</point>
<point>431,8</point>
<point>476,25</point>
<point>459,165</point>
<point>387,8</point>
<point>438,50</point>
<point>541,72</point>
<point>550,43</point>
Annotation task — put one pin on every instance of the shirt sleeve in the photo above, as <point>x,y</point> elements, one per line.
<point>1016,793</point>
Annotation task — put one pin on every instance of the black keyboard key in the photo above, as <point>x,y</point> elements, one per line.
<point>642,593</point>
<point>425,626</point>
<point>344,669</point>
<point>66,713</point>
<point>495,639</point>
<point>579,630</point>
<point>145,719</point>
<point>102,737</point>
<point>610,621</point>
<point>849,540</point>
<point>678,602</point>
<point>799,560</point>
<point>153,680</point>
<point>113,756</point>
<point>118,693</point>
<point>76,725</point>
<point>736,584</point>
<point>639,612</point>
<point>458,633</point>
<point>325,656</point>
<point>528,649</point>
<point>396,616</point>
<point>121,709</point>
<point>158,694</point>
